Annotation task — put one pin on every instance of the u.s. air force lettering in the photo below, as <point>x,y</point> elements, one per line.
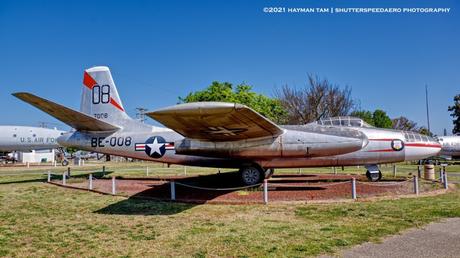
<point>154,147</point>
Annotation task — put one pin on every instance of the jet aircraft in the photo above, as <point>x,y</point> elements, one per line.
<point>225,135</point>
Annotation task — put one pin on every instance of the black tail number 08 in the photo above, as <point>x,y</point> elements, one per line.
<point>101,94</point>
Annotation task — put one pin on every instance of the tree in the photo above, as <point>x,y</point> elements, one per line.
<point>319,99</point>
<point>455,109</point>
<point>381,119</point>
<point>403,123</point>
<point>243,94</point>
<point>364,115</point>
<point>423,130</point>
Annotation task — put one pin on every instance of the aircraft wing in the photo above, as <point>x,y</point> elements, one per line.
<point>69,116</point>
<point>216,121</point>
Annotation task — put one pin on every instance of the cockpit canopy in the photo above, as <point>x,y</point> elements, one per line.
<point>416,137</point>
<point>343,121</point>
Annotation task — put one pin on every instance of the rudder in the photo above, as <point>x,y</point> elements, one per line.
<point>100,97</point>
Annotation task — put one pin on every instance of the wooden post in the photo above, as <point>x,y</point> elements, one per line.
<point>114,190</point>
<point>173,190</point>
<point>419,171</point>
<point>416,185</point>
<point>90,186</point>
<point>265,191</point>
<point>64,178</point>
<point>353,188</point>
<point>68,172</point>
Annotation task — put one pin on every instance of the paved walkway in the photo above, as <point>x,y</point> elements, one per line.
<point>440,239</point>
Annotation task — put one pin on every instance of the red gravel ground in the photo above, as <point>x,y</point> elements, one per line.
<point>286,187</point>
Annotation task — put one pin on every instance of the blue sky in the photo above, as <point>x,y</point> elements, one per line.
<point>159,50</point>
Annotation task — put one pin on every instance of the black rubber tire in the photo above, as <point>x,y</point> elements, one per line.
<point>368,175</point>
<point>251,175</point>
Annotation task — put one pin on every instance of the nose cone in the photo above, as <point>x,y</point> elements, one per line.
<point>417,151</point>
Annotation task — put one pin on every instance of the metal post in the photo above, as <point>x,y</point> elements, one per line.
<point>28,164</point>
<point>55,164</point>
<point>49,176</point>
<point>173,190</point>
<point>103,170</point>
<point>90,182</point>
<point>300,171</point>
<point>419,171</point>
<point>446,184</point>
<point>147,171</point>
<point>441,175</point>
<point>114,190</point>
<point>68,172</point>
<point>185,170</point>
<point>335,170</point>
<point>64,178</point>
<point>265,191</point>
<point>353,188</point>
<point>394,170</point>
<point>416,185</point>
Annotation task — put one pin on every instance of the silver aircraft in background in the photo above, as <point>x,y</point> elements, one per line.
<point>26,139</point>
<point>450,146</point>
<point>225,135</point>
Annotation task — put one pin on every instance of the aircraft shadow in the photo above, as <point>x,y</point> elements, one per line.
<point>143,206</point>
<point>154,200</point>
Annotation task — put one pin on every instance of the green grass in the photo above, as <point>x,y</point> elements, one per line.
<point>38,219</point>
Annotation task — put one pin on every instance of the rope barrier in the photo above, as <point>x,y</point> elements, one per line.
<point>431,180</point>
<point>384,184</point>
<point>218,189</point>
<point>313,185</point>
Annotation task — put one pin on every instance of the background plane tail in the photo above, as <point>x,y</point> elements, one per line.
<point>100,97</point>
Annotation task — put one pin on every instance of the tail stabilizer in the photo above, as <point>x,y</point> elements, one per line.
<point>100,97</point>
<point>75,119</point>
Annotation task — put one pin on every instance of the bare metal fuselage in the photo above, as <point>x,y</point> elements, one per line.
<point>299,146</point>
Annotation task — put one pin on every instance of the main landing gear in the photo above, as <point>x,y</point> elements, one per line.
<point>373,173</point>
<point>254,174</point>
